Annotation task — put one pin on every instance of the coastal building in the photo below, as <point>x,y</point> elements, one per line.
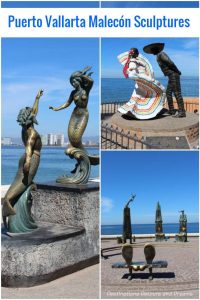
<point>6,141</point>
<point>60,139</point>
<point>44,140</point>
<point>55,139</point>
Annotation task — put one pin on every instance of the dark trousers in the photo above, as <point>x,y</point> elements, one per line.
<point>174,87</point>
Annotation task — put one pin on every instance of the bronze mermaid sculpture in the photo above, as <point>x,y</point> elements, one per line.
<point>82,83</point>
<point>28,163</point>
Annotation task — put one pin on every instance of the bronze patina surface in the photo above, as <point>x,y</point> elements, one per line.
<point>82,83</point>
<point>127,230</point>
<point>28,165</point>
<point>158,221</point>
<point>182,236</point>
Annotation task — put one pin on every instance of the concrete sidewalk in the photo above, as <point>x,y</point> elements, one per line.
<point>83,284</point>
<point>179,280</point>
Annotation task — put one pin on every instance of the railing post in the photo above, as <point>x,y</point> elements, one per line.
<point>116,133</point>
<point>142,142</point>
<point>122,139</point>
<point>128,139</point>
<point>106,135</point>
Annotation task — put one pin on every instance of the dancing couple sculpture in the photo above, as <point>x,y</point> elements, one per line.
<point>16,209</point>
<point>149,95</point>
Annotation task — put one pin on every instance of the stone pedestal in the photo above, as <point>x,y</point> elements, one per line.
<point>171,133</point>
<point>181,237</point>
<point>67,238</point>
<point>159,237</point>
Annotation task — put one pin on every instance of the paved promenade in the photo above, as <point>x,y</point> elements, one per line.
<point>178,280</point>
<point>83,284</point>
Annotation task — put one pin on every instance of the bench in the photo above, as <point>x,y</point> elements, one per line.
<point>149,252</point>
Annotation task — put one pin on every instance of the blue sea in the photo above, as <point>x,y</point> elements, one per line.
<point>121,89</point>
<point>53,163</point>
<point>147,228</point>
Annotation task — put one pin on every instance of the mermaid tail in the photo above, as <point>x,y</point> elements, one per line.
<point>76,128</point>
<point>20,184</point>
<point>23,221</point>
<point>77,125</point>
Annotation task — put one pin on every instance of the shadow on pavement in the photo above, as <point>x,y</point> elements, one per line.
<point>146,275</point>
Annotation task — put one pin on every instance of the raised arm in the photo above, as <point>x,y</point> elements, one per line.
<point>65,105</point>
<point>36,103</point>
<point>130,200</point>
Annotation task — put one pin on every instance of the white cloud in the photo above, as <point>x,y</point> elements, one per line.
<point>106,205</point>
<point>191,44</point>
<point>19,91</point>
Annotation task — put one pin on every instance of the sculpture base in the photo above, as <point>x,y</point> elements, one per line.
<point>127,240</point>
<point>68,243</point>
<point>159,237</point>
<point>185,131</point>
<point>181,237</point>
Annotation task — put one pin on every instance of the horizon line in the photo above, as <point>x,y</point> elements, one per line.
<point>146,223</point>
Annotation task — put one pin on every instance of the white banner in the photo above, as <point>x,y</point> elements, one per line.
<point>101,22</point>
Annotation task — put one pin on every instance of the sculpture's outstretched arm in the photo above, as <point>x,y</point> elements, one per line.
<point>36,103</point>
<point>130,200</point>
<point>65,105</point>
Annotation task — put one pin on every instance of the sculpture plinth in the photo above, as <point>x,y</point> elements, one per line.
<point>67,238</point>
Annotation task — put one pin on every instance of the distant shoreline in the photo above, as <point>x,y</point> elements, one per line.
<point>45,146</point>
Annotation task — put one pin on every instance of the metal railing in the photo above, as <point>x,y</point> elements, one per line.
<point>112,107</point>
<point>114,138</point>
<point>192,106</point>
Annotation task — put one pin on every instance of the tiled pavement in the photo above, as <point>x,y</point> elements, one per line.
<point>179,280</point>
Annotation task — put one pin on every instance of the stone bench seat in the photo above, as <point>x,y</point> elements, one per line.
<point>141,266</point>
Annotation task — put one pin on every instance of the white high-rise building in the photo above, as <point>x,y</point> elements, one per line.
<point>6,141</point>
<point>44,140</point>
<point>60,139</point>
<point>55,139</point>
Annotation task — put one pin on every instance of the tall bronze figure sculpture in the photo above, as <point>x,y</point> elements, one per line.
<point>82,83</point>
<point>16,206</point>
<point>158,220</point>
<point>170,70</point>
<point>127,230</point>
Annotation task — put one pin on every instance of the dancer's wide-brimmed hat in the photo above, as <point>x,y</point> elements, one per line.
<point>152,47</point>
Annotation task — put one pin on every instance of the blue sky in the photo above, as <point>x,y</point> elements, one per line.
<point>170,177</point>
<point>150,4</point>
<point>30,64</point>
<point>183,51</point>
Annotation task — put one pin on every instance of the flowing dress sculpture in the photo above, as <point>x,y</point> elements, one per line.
<point>17,201</point>
<point>82,83</point>
<point>148,97</point>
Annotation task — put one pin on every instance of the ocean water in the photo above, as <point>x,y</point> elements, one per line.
<point>121,89</point>
<point>53,163</point>
<point>147,228</point>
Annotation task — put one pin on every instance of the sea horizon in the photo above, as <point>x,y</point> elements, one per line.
<point>53,163</point>
<point>120,89</point>
<point>171,227</point>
